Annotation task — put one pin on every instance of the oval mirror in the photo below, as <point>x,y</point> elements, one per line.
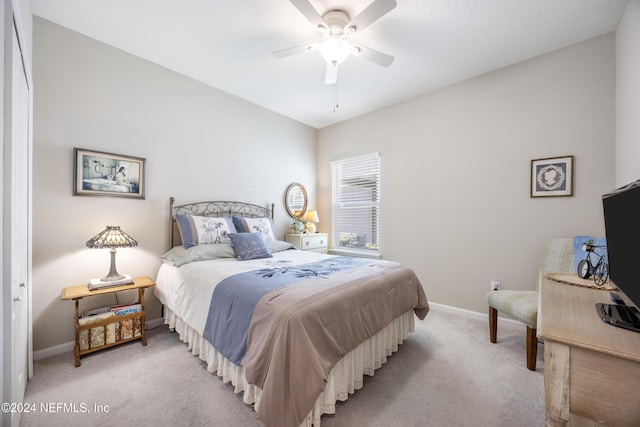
<point>295,200</point>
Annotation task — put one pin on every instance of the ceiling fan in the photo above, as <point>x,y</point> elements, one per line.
<point>336,26</point>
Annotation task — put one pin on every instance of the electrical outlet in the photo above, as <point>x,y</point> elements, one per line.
<point>495,285</point>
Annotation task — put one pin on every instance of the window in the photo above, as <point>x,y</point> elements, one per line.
<point>355,201</point>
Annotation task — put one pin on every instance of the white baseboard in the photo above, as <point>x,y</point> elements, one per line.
<point>68,346</point>
<point>151,324</point>
<point>457,310</point>
<point>52,351</point>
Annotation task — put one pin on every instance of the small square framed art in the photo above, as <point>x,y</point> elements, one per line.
<point>552,177</point>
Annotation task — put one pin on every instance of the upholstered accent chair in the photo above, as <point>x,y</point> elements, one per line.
<point>523,305</point>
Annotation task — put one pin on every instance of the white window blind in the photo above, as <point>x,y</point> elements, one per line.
<point>355,199</point>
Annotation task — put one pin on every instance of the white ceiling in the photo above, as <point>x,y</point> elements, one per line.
<point>227,44</point>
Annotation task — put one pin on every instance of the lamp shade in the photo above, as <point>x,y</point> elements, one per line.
<point>112,237</point>
<point>311,216</point>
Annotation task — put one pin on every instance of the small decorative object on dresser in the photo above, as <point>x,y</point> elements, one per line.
<point>311,217</point>
<point>298,226</point>
<point>316,242</point>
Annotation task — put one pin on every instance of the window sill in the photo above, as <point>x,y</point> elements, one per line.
<point>356,253</point>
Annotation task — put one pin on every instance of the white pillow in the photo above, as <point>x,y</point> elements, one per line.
<point>255,225</point>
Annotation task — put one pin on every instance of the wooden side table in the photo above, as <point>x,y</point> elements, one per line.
<point>76,293</point>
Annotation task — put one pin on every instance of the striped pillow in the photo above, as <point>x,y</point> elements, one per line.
<point>200,230</point>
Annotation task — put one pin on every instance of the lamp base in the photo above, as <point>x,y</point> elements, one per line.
<point>311,227</point>
<point>102,283</point>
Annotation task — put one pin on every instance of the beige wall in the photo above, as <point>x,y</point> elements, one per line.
<point>628,95</point>
<point>456,169</point>
<point>455,165</point>
<point>199,143</point>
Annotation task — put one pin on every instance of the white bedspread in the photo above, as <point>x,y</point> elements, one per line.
<point>187,290</point>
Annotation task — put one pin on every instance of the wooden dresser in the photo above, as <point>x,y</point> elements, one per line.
<point>591,369</point>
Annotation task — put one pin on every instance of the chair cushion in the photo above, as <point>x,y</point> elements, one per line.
<point>519,305</point>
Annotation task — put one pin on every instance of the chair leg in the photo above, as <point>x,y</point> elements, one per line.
<point>532,348</point>
<point>493,324</point>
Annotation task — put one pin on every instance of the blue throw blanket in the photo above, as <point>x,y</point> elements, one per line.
<point>234,300</point>
<point>579,254</point>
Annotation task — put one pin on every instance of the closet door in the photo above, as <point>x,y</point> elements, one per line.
<point>20,200</point>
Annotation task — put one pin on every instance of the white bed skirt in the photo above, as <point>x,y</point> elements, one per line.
<point>345,377</point>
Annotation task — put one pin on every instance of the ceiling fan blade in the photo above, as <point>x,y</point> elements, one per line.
<point>311,14</point>
<point>372,55</point>
<point>372,13</point>
<point>331,75</point>
<point>295,50</point>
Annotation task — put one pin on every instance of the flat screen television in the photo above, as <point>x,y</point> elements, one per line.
<point>622,228</point>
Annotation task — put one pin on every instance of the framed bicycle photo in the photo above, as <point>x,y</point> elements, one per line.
<point>552,177</point>
<point>106,174</point>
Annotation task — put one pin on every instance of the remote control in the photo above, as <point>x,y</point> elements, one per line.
<point>616,298</point>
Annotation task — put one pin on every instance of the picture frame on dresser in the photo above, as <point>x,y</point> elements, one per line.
<point>552,177</point>
<point>98,173</point>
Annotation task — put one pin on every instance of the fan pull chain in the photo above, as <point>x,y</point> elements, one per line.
<point>335,88</point>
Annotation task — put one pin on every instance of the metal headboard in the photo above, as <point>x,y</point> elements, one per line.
<point>213,208</point>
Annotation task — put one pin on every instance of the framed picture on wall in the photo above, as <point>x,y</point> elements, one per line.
<point>552,177</point>
<point>105,174</point>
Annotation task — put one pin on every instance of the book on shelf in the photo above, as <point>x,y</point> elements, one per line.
<point>84,339</point>
<point>95,311</point>
<point>127,328</point>
<point>137,326</point>
<point>95,284</point>
<point>95,337</point>
<point>110,333</point>
<point>95,318</point>
<point>121,310</point>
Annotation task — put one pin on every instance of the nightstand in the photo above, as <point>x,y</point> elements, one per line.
<point>312,242</point>
<point>103,326</point>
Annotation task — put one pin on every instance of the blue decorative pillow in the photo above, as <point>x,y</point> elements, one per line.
<point>199,230</point>
<point>255,225</point>
<point>249,246</point>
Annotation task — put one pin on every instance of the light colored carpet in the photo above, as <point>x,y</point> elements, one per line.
<point>446,373</point>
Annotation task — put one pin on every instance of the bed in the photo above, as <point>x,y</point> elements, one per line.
<point>293,331</point>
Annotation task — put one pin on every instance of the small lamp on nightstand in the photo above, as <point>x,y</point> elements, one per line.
<point>311,217</point>
<point>112,237</point>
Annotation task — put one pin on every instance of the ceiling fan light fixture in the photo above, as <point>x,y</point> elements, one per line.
<point>335,50</point>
